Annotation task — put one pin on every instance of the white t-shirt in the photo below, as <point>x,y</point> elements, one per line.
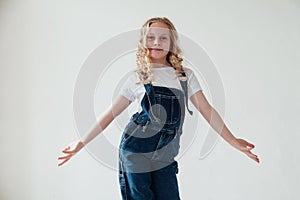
<point>163,76</point>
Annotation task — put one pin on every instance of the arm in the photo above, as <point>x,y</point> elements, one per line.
<point>117,108</point>
<point>215,121</point>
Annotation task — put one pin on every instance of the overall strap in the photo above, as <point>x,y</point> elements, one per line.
<point>150,93</point>
<point>184,88</point>
<point>151,98</point>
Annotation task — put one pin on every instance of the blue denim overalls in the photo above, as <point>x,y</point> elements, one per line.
<point>150,141</point>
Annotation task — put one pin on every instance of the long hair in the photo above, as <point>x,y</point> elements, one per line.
<point>143,60</point>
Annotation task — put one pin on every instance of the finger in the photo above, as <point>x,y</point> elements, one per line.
<point>250,145</point>
<point>252,156</point>
<point>67,151</point>
<point>60,164</point>
<point>256,159</point>
<point>244,148</point>
<point>67,148</point>
<point>64,157</point>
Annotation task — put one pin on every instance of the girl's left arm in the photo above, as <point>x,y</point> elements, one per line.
<point>215,121</point>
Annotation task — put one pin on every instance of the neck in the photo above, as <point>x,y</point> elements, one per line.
<point>160,64</point>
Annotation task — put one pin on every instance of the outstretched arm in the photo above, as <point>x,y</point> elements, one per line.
<point>216,122</point>
<point>117,108</point>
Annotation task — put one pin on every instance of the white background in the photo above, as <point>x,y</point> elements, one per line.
<point>255,46</point>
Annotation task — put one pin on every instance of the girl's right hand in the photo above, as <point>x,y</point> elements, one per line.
<point>70,151</point>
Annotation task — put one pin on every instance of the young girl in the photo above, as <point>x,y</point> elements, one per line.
<point>150,141</point>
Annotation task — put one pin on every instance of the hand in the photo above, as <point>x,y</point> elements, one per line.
<point>245,147</point>
<point>70,151</point>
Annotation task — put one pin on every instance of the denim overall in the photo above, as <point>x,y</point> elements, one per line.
<point>150,141</point>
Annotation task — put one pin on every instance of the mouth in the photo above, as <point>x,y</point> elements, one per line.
<point>156,49</point>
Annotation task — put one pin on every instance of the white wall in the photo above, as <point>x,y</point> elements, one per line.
<point>254,45</point>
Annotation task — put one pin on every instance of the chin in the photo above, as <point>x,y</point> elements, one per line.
<point>158,57</point>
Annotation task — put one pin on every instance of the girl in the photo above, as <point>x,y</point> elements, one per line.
<point>150,141</point>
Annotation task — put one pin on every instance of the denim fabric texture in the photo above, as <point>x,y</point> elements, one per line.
<point>149,144</point>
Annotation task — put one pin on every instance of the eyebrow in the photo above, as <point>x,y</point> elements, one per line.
<point>161,34</point>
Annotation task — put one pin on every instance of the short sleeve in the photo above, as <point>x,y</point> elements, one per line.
<point>193,83</point>
<point>128,87</point>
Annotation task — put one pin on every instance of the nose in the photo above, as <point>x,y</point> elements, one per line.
<point>156,42</point>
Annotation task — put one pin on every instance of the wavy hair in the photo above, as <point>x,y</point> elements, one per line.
<point>143,60</point>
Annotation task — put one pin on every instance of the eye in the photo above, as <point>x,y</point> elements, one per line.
<point>163,38</point>
<point>150,37</point>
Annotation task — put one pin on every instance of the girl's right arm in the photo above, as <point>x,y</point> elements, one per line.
<point>117,108</point>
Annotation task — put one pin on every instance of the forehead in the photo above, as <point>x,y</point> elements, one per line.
<point>159,28</point>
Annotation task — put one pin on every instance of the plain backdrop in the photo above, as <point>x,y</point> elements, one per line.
<point>255,46</point>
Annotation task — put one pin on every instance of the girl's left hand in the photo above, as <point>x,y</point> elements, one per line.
<point>245,147</point>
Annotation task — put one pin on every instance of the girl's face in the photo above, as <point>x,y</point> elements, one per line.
<point>158,42</point>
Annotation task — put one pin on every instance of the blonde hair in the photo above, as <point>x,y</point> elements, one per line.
<point>143,60</point>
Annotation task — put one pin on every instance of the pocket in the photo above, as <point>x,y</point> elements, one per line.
<point>167,108</point>
<point>176,110</point>
<point>167,148</point>
<point>130,130</point>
